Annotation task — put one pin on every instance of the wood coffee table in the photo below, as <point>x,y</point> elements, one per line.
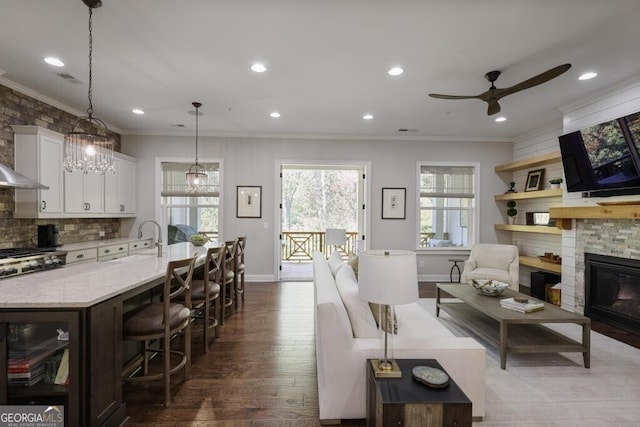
<point>510,330</point>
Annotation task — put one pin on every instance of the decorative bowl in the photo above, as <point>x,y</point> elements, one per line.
<point>491,288</point>
<point>198,240</point>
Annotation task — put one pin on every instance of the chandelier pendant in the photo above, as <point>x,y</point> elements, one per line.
<point>196,178</point>
<point>86,151</point>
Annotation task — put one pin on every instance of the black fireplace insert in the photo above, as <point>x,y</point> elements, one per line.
<point>612,291</point>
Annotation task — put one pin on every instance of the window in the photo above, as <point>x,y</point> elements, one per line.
<point>447,205</point>
<point>189,213</point>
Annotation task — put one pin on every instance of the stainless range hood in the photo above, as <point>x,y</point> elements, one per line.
<point>12,179</point>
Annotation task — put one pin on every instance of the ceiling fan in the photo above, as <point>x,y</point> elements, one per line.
<point>493,95</point>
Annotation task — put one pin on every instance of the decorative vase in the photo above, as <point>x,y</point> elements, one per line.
<point>511,219</point>
<point>555,186</point>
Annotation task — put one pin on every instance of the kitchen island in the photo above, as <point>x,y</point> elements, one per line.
<point>86,300</point>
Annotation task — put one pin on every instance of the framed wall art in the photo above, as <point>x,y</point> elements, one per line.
<point>394,203</point>
<point>534,180</point>
<point>249,201</point>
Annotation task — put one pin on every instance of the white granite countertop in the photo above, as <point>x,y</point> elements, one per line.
<point>85,284</point>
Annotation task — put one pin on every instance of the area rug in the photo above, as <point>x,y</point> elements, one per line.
<point>554,389</point>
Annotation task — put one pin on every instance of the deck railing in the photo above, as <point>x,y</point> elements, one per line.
<point>300,245</point>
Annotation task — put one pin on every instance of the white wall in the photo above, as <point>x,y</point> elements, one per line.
<point>525,146</point>
<point>252,161</point>
<point>611,103</point>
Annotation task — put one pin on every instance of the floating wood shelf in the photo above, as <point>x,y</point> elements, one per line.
<point>531,162</point>
<point>563,215</point>
<point>544,229</point>
<point>530,194</point>
<point>535,262</point>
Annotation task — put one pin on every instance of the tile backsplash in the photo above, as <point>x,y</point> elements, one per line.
<point>19,109</point>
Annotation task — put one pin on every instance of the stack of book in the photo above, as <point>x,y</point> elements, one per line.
<point>522,307</point>
<point>26,361</point>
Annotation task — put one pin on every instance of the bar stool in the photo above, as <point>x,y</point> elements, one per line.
<point>160,321</point>
<point>205,295</point>
<point>239,271</point>
<point>228,279</point>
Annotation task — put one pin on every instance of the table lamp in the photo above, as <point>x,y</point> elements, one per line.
<point>336,237</point>
<point>387,277</point>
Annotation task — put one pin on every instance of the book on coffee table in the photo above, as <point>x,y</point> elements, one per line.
<point>523,307</point>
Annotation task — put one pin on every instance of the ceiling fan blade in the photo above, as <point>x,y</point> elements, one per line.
<point>493,108</point>
<point>439,96</point>
<point>533,81</point>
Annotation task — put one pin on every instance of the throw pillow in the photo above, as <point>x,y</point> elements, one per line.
<point>362,323</point>
<point>353,262</point>
<point>335,262</point>
<point>375,310</point>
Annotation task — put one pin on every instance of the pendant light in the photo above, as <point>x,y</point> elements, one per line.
<point>196,177</point>
<point>86,151</point>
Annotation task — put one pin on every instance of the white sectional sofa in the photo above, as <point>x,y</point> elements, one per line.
<point>341,355</point>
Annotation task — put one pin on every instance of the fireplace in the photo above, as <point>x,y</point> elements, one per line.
<point>612,290</point>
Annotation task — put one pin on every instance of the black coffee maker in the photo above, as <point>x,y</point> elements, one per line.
<point>47,236</point>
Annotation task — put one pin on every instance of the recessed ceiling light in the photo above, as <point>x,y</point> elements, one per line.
<point>367,117</point>
<point>501,119</point>
<point>137,111</point>
<point>53,61</point>
<point>588,75</point>
<point>259,68</point>
<point>275,114</point>
<point>395,71</point>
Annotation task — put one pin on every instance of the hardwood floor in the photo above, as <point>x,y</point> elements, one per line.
<point>261,371</point>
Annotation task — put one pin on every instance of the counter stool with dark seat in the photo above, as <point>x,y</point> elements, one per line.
<point>160,321</point>
<point>239,270</point>
<point>229,279</point>
<point>205,296</point>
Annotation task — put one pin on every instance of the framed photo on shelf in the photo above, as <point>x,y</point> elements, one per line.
<point>249,201</point>
<point>534,180</point>
<point>394,203</point>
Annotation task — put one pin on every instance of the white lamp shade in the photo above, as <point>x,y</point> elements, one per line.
<point>336,236</point>
<point>388,276</point>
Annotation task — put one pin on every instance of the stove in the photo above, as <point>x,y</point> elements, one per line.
<point>16,261</point>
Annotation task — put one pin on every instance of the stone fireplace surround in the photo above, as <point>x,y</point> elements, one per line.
<point>613,237</point>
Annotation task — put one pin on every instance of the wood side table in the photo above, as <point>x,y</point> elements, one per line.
<point>407,402</point>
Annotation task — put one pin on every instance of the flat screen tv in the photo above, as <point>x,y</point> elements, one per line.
<point>604,159</point>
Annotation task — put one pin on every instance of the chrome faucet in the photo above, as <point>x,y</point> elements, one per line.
<point>159,242</point>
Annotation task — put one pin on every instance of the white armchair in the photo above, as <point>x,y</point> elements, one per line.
<point>493,261</point>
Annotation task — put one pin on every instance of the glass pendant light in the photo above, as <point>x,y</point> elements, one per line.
<point>86,151</point>
<point>196,177</point>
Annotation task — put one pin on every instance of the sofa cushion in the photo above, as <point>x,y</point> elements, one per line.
<point>363,324</point>
<point>353,262</point>
<point>335,262</point>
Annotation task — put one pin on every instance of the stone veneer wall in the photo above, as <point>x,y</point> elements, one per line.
<point>19,109</point>
<point>619,238</point>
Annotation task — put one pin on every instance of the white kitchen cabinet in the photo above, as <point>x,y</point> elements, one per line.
<point>119,189</point>
<point>139,245</point>
<point>108,253</point>
<point>83,193</point>
<point>39,155</point>
<point>80,255</point>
